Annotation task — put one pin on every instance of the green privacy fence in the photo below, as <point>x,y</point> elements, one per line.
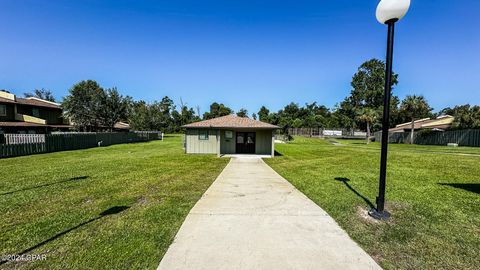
<point>466,137</point>
<point>394,137</point>
<point>73,141</point>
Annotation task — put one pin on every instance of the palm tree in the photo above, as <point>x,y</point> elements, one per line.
<point>414,107</point>
<point>368,116</point>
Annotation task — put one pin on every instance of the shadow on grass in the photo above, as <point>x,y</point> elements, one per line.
<point>277,154</point>
<point>110,211</point>
<point>345,181</point>
<point>475,188</point>
<point>46,185</point>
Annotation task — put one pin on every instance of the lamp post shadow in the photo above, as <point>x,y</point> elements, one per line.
<point>472,187</point>
<point>345,182</point>
<point>73,179</point>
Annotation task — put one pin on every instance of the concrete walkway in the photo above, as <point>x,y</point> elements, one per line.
<point>252,218</point>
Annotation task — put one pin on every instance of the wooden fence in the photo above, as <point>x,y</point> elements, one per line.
<point>72,141</point>
<point>23,138</point>
<point>466,137</point>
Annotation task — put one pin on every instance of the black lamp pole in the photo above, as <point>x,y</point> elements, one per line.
<point>379,212</point>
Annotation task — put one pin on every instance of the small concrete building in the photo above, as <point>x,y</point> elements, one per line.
<point>230,134</point>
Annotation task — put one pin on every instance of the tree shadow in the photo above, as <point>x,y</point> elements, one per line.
<point>475,188</point>
<point>46,185</point>
<point>277,154</point>
<point>110,211</point>
<point>345,181</point>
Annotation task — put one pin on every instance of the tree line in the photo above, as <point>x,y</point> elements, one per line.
<point>90,107</point>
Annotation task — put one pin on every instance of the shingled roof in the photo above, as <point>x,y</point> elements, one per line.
<point>32,101</point>
<point>441,122</point>
<point>231,121</point>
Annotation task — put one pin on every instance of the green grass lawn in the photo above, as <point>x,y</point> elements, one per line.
<point>433,194</point>
<point>116,207</point>
<point>412,148</point>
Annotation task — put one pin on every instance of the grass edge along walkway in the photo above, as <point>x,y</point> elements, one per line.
<point>433,198</point>
<point>116,207</point>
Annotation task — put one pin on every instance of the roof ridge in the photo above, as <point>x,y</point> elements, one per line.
<point>230,121</point>
<point>43,100</point>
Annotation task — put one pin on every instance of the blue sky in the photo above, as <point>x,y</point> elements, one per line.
<point>242,53</point>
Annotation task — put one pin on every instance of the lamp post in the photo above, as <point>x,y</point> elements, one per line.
<point>388,12</point>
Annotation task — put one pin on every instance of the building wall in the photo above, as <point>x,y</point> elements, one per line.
<point>263,142</point>
<point>227,146</point>
<point>10,113</point>
<point>52,116</point>
<point>196,146</point>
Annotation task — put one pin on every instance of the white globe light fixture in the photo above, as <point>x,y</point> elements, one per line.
<point>388,12</point>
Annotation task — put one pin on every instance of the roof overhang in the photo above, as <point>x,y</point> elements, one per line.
<point>235,128</point>
<point>28,124</point>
